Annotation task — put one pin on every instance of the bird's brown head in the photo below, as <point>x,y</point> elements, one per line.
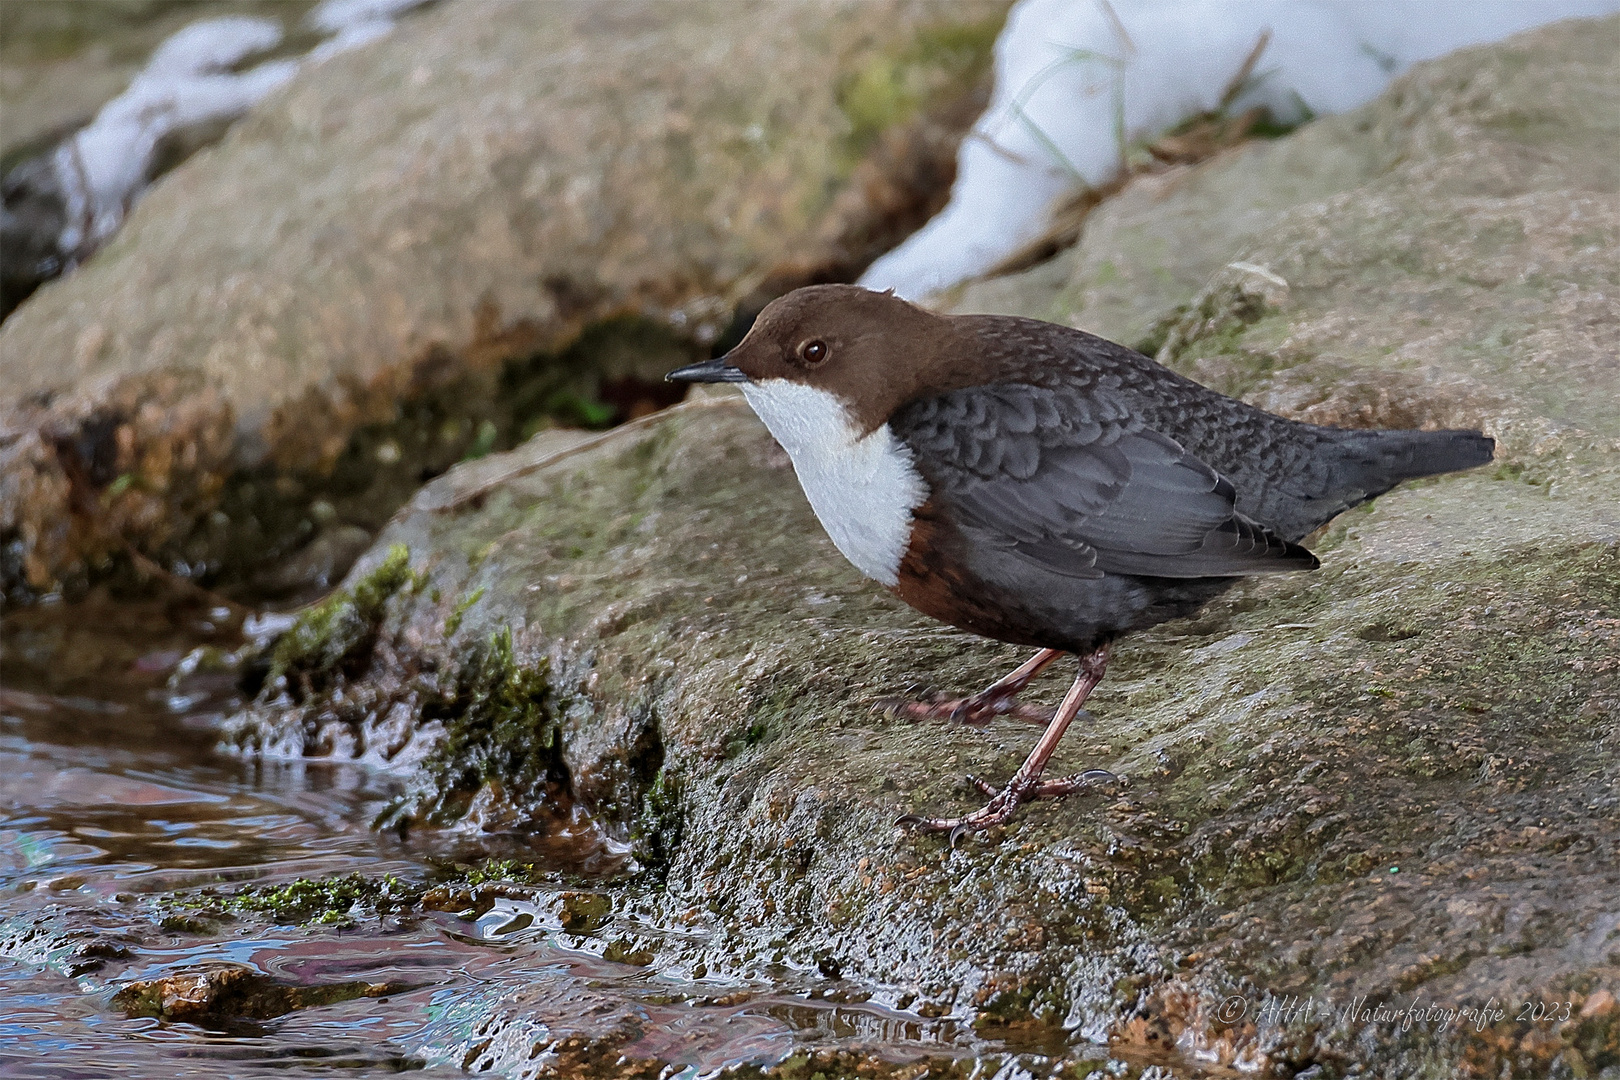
<point>873,351</point>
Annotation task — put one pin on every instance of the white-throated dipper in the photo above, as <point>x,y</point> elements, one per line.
<point>1041,486</point>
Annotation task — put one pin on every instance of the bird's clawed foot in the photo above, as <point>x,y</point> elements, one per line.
<point>1006,801</point>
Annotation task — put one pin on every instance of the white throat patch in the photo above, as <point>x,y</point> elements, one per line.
<point>862,489</point>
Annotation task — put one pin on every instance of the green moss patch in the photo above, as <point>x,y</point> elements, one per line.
<point>325,901</point>
<point>453,622</point>
<point>500,729</point>
<point>658,827</point>
<point>337,632</point>
<point>342,900</point>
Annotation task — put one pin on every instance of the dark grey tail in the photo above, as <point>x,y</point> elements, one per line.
<point>1405,455</point>
<point>1375,461</point>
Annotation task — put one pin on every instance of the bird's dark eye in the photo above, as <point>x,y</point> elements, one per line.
<point>814,352</point>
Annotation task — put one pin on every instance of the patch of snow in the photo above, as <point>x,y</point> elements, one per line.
<point>187,83</point>
<point>353,23</point>
<point>60,207</point>
<point>1074,77</point>
<point>335,16</point>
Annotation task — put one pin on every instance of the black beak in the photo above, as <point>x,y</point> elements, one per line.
<point>707,371</point>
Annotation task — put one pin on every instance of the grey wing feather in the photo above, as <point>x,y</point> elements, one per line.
<point>1067,480</point>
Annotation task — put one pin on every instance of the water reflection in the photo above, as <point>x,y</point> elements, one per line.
<point>110,788</point>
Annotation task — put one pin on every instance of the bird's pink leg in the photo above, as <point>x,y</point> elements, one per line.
<point>998,699</point>
<point>1026,783</point>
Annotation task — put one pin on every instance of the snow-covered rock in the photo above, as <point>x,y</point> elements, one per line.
<point>353,23</point>
<point>1076,79</point>
<point>60,207</point>
<point>187,82</point>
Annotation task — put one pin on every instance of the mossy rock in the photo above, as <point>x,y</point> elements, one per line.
<point>1389,779</point>
<point>1286,750</point>
<point>216,996</point>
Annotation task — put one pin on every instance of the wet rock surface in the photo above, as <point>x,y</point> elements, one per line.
<point>478,969</point>
<point>1387,785</point>
<point>498,218</point>
<point>223,994</point>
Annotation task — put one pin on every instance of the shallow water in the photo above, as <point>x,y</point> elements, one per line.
<point>113,794</point>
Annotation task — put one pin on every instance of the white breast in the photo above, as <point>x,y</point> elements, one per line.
<point>862,489</point>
